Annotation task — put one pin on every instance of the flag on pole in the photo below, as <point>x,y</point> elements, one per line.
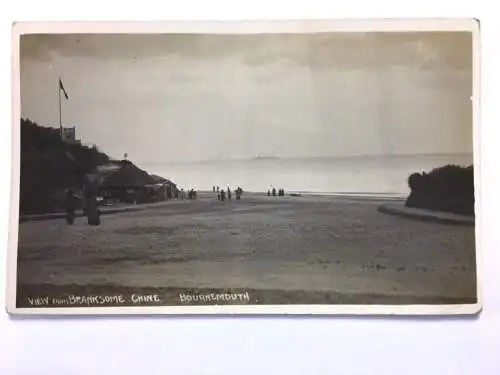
<point>61,87</point>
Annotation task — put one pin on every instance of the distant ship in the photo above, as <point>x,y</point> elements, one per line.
<point>263,157</point>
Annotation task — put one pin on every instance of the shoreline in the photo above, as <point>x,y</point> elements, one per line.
<point>122,207</point>
<point>289,193</point>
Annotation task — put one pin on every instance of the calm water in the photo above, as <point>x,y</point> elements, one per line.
<point>381,175</point>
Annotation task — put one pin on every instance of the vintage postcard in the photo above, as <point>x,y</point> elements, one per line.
<point>285,167</point>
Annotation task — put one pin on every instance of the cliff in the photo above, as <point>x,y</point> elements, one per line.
<point>49,166</point>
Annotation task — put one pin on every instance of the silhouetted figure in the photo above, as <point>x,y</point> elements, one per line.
<point>93,213</point>
<point>239,191</point>
<point>182,194</point>
<point>91,207</point>
<point>213,189</point>
<point>70,206</point>
<point>274,192</point>
<point>218,190</point>
<point>268,193</point>
<point>222,195</point>
<point>169,191</point>
<point>228,193</point>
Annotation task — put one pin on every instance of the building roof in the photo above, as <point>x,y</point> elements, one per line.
<point>161,180</point>
<point>123,174</point>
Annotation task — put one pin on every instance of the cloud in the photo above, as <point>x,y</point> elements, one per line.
<point>207,96</point>
<point>424,50</point>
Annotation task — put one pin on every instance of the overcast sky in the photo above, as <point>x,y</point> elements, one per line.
<point>194,97</point>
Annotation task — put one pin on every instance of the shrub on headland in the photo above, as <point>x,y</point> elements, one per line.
<point>449,189</point>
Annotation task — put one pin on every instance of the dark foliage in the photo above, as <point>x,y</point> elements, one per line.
<point>49,166</point>
<point>448,189</point>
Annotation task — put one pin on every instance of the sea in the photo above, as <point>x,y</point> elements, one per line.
<point>359,175</point>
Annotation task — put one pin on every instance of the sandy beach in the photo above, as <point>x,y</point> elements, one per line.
<point>308,249</point>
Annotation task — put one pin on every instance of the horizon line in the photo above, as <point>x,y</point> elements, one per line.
<point>254,158</point>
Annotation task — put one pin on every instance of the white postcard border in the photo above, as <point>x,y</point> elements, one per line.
<point>243,27</point>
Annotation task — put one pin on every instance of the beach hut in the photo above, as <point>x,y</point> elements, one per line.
<point>168,189</point>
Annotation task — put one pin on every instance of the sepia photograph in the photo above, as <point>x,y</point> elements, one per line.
<point>249,168</point>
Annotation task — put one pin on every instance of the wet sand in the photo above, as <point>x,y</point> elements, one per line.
<point>309,249</point>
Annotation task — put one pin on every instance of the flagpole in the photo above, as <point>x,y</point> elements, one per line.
<point>60,119</point>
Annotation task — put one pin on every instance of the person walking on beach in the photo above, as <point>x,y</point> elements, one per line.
<point>93,213</point>
<point>91,207</point>
<point>274,192</point>
<point>70,206</point>
<point>222,195</point>
<point>169,191</point>
<point>213,189</point>
<point>228,193</point>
